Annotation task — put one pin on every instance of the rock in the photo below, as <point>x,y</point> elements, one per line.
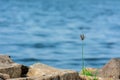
<point>53,76</point>
<point>24,70</point>
<point>35,78</point>
<point>44,72</point>
<point>111,69</point>
<point>5,59</point>
<point>83,77</point>
<point>7,66</point>
<point>4,76</point>
<point>92,74</point>
<point>14,70</point>
<point>25,78</point>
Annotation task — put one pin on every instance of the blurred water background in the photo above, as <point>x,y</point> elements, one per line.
<point>48,31</point>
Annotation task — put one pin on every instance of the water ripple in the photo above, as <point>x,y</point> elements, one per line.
<point>37,60</point>
<point>51,29</point>
<point>91,59</point>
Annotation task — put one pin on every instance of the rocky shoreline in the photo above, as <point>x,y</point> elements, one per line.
<point>10,70</point>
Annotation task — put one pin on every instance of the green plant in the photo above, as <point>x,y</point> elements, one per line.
<point>95,79</point>
<point>82,38</point>
<point>95,75</point>
<point>84,70</point>
<point>88,73</point>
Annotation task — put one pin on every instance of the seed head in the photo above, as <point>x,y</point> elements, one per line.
<point>82,36</point>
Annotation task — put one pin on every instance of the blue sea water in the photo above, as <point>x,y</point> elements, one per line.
<point>48,31</point>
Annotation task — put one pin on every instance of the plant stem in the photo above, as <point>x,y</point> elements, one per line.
<point>82,56</point>
<point>96,74</point>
